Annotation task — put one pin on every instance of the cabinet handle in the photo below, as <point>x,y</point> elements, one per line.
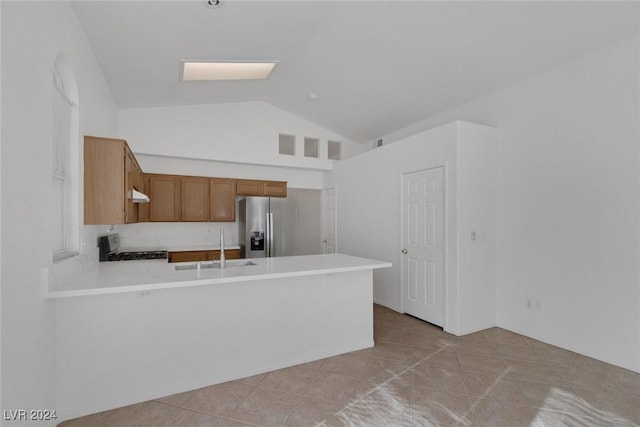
<point>404,251</point>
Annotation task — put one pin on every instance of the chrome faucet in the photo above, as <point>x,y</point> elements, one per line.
<point>223,261</point>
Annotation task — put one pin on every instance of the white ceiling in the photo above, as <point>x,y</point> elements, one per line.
<point>375,66</point>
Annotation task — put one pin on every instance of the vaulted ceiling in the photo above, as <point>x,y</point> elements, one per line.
<point>374,66</point>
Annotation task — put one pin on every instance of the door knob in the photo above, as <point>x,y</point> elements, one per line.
<point>404,251</point>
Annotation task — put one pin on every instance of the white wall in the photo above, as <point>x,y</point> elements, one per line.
<point>1,277</point>
<point>368,200</point>
<point>476,213</point>
<point>568,205</point>
<point>370,216</point>
<point>33,34</point>
<point>245,132</point>
<point>176,235</point>
<point>309,225</point>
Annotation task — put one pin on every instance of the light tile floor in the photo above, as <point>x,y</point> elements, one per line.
<point>416,375</point>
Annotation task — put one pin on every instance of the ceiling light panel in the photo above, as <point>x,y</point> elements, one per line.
<point>225,70</point>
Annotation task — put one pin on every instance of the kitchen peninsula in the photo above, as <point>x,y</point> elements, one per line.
<point>142,330</point>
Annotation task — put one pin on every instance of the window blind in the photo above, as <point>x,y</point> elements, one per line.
<point>64,179</point>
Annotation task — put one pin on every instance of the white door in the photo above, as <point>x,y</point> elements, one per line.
<point>329,221</point>
<point>423,244</point>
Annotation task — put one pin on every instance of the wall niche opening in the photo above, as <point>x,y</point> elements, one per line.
<point>287,144</point>
<point>311,147</point>
<point>334,150</point>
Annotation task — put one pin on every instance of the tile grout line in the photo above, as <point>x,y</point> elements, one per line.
<point>533,365</point>
<point>396,375</point>
<point>466,386</point>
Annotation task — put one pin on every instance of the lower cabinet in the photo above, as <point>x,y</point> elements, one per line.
<point>207,255</point>
<point>186,256</point>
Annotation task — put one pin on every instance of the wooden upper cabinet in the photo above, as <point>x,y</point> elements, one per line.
<point>143,208</point>
<point>222,200</point>
<point>194,199</point>
<point>275,189</point>
<point>164,192</point>
<point>111,172</point>
<point>131,181</point>
<point>247,187</point>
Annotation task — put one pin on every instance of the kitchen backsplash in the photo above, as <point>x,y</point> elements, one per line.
<point>161,235</point>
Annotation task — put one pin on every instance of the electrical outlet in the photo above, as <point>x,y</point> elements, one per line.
<point>529,304</point>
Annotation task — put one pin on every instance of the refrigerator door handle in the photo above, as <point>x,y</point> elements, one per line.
<point>267,236</point>
<point>270,234</point>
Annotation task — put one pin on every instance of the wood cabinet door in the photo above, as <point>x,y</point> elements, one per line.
<point>275,188</point>
<point>130,182</point>
<point>247,187</point>
<point>104,181</point>
<point>189,256</point>
<point>222,199</point>
<point>210,255</point>
<point>251,187</point>
<point>195,199</point>
<point>164,192</point>
<point>143,208</point>
<point>228,254</point>
<point>232,254</point>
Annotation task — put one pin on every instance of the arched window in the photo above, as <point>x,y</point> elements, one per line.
<point>65,189</point>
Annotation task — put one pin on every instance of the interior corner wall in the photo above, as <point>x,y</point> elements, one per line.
<point>0,210</point>
<point>568,233</point>
<point>368,188</point>
<point>309,223</point>
<point>33,34</point>
<point>241,132</point>
<point>369,200</point>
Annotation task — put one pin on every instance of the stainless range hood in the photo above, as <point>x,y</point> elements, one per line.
<point>139,197</point>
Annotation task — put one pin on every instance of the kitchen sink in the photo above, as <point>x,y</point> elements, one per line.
<point>205,265</point>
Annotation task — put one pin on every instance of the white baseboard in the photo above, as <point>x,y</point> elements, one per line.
<point>386,304</point>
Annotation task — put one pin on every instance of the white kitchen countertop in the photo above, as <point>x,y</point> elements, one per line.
<point>136,276</point>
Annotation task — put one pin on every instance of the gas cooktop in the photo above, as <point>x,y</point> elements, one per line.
<point>109,247</point>
<point>136,255</point>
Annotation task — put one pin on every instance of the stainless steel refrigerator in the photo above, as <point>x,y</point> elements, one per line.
<point>267,227</point>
